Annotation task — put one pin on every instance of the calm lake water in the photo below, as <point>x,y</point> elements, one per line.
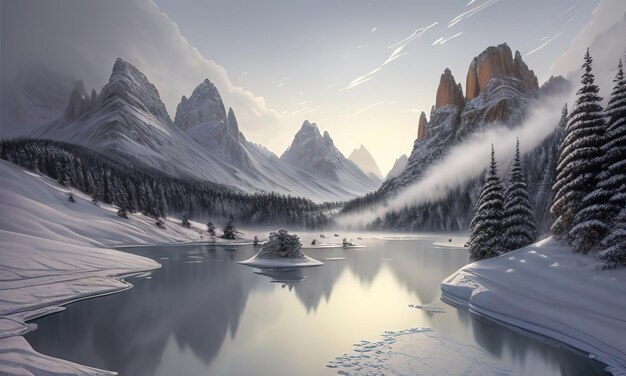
<point>204,314</point>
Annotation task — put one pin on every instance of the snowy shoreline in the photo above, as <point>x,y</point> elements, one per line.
<point>547,290</point>
<point>54,252</point>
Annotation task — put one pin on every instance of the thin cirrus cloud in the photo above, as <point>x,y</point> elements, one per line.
<point>397,52</point>
<point>471,12</point>
<point>547,41</point>
<point>281,82</point>
<point>443,40</point>
<point>381,103</point>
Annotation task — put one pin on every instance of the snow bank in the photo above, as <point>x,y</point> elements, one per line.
<point>545,288</point>
<point>274,263</point>
<point>417,352</point>
<point>52,252</point>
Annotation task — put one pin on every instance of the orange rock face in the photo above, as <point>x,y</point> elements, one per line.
<point>421,127</point>
<point>448,91</point>
<point>497,62</point>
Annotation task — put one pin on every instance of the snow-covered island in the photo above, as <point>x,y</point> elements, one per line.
<point>282,250</point>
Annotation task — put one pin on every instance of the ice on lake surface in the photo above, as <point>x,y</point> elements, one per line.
<point>218,317</point>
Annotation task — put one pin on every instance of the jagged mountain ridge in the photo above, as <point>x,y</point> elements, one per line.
<point>317,154</point>
<point>364,160</point>
<point>398,167</point>
<point>501,87</point>
<point>129,120</point>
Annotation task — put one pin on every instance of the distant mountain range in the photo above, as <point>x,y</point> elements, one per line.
<point>128,118</point>
<point>362,158</point>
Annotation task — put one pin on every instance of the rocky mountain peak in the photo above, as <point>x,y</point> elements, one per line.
<point>497,61</point>
<point>79,102</point>
<point>421,126</point>
<point>364,160</point>
<point>231,125</point>
<point>129,85</point>
<point>203,106</point>
<point>448,91</point>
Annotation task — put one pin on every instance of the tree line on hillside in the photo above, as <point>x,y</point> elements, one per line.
<point>137,189</point>
<point>589,194</point>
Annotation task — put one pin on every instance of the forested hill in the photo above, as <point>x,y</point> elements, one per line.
<point>113,181</point>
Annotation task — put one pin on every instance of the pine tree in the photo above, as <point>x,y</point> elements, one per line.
<point>614,179</point>
<point>519,220</point>
<point>210,227</point>
<point>230,232</point>
<point>486,226</point>
<point>578,165</point>
<point>614,245</point>
<point>591,221</point>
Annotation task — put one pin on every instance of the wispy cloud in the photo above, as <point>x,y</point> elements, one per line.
<point>306,109</point>
<point>569,20</point>
<point>545,43</point>
<point>281,82</point>
<point>397,52</point>
<point>569,9</point>
<point>381,103</point>
<point>443,40</point>
<point>471,12</point>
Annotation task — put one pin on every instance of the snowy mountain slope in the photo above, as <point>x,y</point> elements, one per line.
<point>204,119</point>
<point>364,160</point>
<point>317,154</point>
<point>129,120</point>
<point>398,167</point>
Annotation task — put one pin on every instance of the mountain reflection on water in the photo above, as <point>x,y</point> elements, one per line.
<point>204,313</point>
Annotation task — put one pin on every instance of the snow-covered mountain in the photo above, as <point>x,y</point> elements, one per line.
<point>364,160</point>
<point>129,120</point>
<point>317,154</point>
<point>499,88</point>
<point>398,167</point>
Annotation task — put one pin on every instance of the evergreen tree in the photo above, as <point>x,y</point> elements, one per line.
<point>591,221</point>
<point>614,245</point>
<point>578,165</point>
<point>614,177</point>
<point>519,220</point>
<point>230,232</point>
<point>185,221</point>
<point>486,226</point>
<point>210,227</point>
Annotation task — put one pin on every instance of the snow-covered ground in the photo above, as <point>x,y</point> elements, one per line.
<point>53,252</point>
<point>545,288</point>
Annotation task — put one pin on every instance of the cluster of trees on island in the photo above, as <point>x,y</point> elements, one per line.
<point>139,189</point>
<point>589,194</point>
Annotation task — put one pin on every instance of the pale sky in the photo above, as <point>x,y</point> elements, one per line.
<point>360,70</point>
<point>302,56</point>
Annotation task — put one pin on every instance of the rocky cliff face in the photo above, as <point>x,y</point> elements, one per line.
<point>421,126</point>
<point>448,92</point>
<point>79,102</point>
<point>497,61</point>
<point>500,88</point>
<point>203,106</point>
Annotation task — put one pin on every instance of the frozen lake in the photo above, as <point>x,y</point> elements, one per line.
<point>203,313</point>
